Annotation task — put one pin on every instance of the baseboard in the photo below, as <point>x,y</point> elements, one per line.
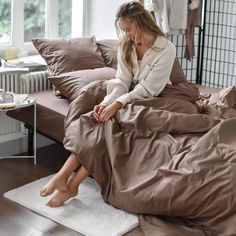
<point>16,143</point>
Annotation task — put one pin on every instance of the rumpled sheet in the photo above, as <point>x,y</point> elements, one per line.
<point>162,159</point>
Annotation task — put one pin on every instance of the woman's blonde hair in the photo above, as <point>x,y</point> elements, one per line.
<point>143,20</point>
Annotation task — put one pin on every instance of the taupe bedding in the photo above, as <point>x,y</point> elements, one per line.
<point>162,159</point>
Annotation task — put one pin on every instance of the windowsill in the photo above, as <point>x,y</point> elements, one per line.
<point>28,59</point>
<point>24,65</point>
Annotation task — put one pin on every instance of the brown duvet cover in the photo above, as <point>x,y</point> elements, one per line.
<point>162,159</point>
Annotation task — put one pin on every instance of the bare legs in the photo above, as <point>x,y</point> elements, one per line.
<point>66,186</point>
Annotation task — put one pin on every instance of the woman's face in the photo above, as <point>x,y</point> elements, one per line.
<point>131,31</point>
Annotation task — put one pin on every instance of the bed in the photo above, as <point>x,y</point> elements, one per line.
<point>170,159</point>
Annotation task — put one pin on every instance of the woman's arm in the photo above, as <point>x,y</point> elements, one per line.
<point>115,88</point>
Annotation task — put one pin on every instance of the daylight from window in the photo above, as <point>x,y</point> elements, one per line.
<point>65,13</point>
<point>33,17</point>
<point>5,21</point>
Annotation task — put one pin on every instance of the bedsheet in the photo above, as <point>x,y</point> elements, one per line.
<point>171,159</point>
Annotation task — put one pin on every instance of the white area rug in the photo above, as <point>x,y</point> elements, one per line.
<point>87,213</point>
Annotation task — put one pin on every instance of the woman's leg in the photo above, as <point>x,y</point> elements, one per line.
<point>72,188</point>
<point>59,180</point>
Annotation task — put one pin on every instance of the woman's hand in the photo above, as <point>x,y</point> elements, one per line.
<point>110,111</point>
<point>97,110</point>
<point>105,112</point>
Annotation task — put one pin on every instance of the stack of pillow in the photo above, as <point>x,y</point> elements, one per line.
<point>76,62</point>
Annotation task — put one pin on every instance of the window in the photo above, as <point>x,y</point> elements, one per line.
<point>5,21</point>
<point>34,19</point>
<point>65,18</point>
<point>22,20</point>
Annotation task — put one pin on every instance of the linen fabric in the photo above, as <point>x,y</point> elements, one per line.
<point>171,16</point>
<point>177,74</point>
<point>194,20</point>
<point>162,160</point>
<point>108,48</point>
<point>73,54</point>
<point>69,84</point>
<point>150,77</point>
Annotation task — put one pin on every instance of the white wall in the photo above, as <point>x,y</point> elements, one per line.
<point>100,18</point>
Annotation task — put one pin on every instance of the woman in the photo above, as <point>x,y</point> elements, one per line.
<point>145,59</point>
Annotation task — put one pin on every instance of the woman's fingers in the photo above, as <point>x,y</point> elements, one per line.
<point>101,108</point>
<point>97,110</point>
<point>103,115</point>
<point>104,112</point>
<point>107,113</point>
<point>96,116</point>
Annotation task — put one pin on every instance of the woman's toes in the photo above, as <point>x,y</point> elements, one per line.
<point>43,192</point>
<point>47,190</point>
<point>61,197</point>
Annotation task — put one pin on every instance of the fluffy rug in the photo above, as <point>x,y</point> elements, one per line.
<point>87,213</point>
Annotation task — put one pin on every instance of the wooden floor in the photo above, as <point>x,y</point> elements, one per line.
<point>16,220</point>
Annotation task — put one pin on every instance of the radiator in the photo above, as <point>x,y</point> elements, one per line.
<point>24,83</point>
<point>10,82</point>
<point>34,82</point>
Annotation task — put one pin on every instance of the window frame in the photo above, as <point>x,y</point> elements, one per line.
<point>51,23</point>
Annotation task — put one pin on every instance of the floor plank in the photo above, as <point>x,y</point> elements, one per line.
<point>18,220</point>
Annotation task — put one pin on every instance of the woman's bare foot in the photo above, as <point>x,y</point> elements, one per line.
<point>61,197</point>
<point>58,182</point>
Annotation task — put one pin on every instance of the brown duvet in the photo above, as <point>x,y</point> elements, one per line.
<point>162,159</point>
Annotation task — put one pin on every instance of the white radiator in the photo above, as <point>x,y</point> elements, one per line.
<point>24,83</point>
<point>34,82</point>
<point>10,82</point>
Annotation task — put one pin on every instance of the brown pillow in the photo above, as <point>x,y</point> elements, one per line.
<point>177,74</point>
<point>69,55</point>
<point>70,84</point>
<point>108,48</point>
